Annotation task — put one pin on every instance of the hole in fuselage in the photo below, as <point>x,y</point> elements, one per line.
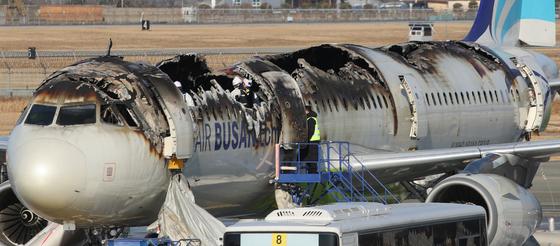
<point>193,74</point>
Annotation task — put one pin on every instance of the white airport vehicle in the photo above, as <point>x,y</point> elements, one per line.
<point>361,224</point>
<point>420,32</point>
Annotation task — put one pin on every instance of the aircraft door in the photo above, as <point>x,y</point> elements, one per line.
<point>537,95</point>
<point>291,106</point>
<point>179,143</point>
<point>418,110</point>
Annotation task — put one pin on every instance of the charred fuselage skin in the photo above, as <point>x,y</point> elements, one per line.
<point>398,98</point>
<point>111,171</point>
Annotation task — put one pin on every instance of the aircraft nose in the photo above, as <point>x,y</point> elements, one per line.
<point>47,175</point>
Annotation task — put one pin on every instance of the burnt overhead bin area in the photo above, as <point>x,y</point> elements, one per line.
<point>328,71</point>
<point>274,89</point>
<point>336,73</point>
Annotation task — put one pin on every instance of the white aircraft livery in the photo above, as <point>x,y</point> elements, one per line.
<point>92,148</point>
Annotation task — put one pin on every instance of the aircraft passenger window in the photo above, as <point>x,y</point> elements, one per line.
<point>108,115</point>
<point>363,103</point>
<point>439,99</point>
<point>373,101</point>
<point>457,98</point>
<point>366,99</point>
<point>451,98</point>
<point>468,97</point>
<point>463,97</point>
<point>445,98</point>
<point>317,106</point>
<point>491,96</point>
<point>76,115</point>
<point>433,99</point>
<point>329,104</point>
<point>479,97</point>
<point>344,104</point>
<point>385,101</point>
<point>496,95</point>
<point>41,115</point>
<point>335,103</point>
<point>517,92</point>
<point>129,118</point>
<point>427,99</point>
<point>379,101</point>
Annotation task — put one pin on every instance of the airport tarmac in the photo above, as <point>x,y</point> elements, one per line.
<point>546,187</point>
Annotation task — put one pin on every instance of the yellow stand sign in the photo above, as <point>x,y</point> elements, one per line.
<point>279,239</point>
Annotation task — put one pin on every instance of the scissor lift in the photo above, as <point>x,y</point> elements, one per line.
<point>339,174</point>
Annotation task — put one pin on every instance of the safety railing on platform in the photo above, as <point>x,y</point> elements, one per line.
<point>301,167</point>
<point>153,242</point>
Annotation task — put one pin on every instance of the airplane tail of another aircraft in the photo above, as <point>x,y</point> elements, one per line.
<point>515,22</point>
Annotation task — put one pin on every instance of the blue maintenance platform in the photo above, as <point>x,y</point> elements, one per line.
<point>330,168</point>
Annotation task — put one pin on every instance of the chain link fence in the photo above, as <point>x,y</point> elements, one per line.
<point>98,14</point>
<point>19,75</point>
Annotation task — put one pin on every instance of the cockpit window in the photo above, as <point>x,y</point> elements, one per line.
<point>76,115</point>
<point>42,115</point>
<point>109,116</point>
<point>22,116</point>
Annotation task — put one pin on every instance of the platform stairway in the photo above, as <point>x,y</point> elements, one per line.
<point>335,172</point>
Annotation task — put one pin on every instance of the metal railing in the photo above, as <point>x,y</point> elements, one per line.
<point>332,169</point>
<point>155,242</point>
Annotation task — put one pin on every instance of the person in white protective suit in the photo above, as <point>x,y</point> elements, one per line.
<point>237,82</point>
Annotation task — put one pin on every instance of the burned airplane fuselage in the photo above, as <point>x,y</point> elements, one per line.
<point>397,98</point>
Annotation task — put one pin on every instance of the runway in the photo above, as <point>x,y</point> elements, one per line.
<point>546,187</point>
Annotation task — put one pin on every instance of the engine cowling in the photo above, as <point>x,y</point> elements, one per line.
<point>18,225</point>
<point>512,212</point>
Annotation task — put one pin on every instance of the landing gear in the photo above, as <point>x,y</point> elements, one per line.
<point>97,236</point>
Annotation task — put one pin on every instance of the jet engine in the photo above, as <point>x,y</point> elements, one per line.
<point>512,212</point>
<point>18,224</point>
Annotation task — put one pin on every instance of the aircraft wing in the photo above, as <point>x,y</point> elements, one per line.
<point>394,166</point>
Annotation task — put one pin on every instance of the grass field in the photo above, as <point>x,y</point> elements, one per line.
<point>210,36</point>
<point>216,36</point>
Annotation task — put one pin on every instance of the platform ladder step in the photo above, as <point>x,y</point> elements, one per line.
<point>334,169</point>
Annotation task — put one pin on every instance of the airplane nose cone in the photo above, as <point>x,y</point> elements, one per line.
<point>47,175</point>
